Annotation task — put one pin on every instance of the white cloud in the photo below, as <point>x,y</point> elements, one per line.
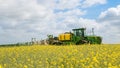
<point>75,12</point>
<point>70,4</point>
<point>70,13</point>
<point>111,24</point>
<point>89,3</point>
<point>111,14</point>
<point>67,4</point>
<point>71,22</point>
<point>20,20</point>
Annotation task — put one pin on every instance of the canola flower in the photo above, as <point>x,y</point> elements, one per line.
<point>0,66</point>
<point>40,56</point>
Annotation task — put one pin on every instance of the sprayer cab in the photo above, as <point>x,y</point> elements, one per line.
<point>79,32</point>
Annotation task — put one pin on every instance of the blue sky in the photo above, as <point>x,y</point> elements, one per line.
<point>94,11</point>
<point>20,20</point>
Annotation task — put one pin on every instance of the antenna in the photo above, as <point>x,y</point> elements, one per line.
<point>93,31</point>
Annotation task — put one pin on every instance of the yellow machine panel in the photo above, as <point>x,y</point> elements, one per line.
<point>63,37</point>
<point>67,36</point>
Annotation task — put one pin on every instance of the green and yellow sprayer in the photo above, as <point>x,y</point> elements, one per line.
<point>76,37</point>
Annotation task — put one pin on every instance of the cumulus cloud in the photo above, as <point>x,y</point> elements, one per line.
<point>20,20</point>
<point>67,4</point>
<point>70,4</point>
<point>89,3</point>
<point>110,19</point>
<point>111,14</point>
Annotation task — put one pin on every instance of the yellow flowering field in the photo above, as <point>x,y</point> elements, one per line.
<point>69,56</point>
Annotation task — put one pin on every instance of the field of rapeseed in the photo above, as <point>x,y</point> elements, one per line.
<point>83,56</point>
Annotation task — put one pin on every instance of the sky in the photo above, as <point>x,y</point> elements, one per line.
<point>21,20</point>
